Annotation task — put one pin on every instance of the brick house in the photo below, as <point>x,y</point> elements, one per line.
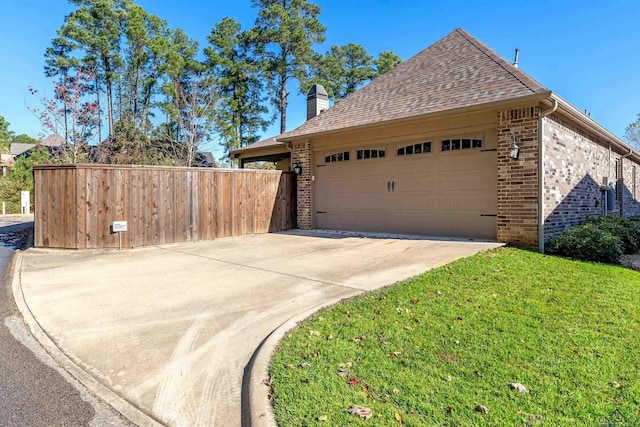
<point>448,144</point>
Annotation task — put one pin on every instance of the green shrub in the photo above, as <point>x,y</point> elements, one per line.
<point>587,242</point>
<point>626,229</point>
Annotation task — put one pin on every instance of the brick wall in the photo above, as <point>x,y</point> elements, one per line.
<point>575,166</point>
<point>301,153</point>
<point>631,187</point>
<point>518,179</point>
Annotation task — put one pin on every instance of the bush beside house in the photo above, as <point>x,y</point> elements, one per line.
<point>602,238</point>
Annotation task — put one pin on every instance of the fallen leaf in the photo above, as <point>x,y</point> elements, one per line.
<point>449,409</point>
<point>360,338</point>
<point>482,409</point>
<point>396,390</point>
<point>305,365</point>
<point>449,378</point>
<point>519,387</point>
<point>396,354</point>
<point>314,333</point>
<point>343,373</point>
<point>361,411</point>
<point>345,365</point>
<point>329,337</point>
<point>383,297</point>
<point>575,351</point>
<point>615,384</point>
<point>478,374</point>
<point>415,301</point>
<point>399,310</point>
<point>459,319</point>
<point>398,417</point>
<point>322,418</point>
<point>352,382</point>
<point>439,293</point>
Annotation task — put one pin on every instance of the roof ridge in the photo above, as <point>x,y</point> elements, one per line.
<point>487,51</point>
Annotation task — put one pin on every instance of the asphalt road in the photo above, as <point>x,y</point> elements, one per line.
<point>34,391</point>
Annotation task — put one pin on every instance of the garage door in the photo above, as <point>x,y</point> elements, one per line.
<point>443,187</point>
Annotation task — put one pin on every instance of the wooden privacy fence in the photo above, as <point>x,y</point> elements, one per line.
<point>76,205</point>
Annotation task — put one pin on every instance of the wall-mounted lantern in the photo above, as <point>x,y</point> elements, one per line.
<point>297,169</point>
<point>514,150</point>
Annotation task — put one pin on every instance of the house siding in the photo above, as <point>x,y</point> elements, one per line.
<point>576,165</point>
<point>518,179</point>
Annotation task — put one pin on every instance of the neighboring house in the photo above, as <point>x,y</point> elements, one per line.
<point>51,142</point>
<point>426,149</point>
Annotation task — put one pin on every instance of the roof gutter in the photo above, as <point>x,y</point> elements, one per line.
<point>433,115</point>
<point>595,127</point>
<point>541,191</point>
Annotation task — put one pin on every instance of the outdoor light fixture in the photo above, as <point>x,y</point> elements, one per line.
<point>514,150</point>
<point>297,169</point>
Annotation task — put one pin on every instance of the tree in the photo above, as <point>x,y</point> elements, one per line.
<point>386,62</point>
<point>20,177</point>
<point>145,41</point>
<point>6,136</point>
<point>95,28</point>
<point>77,109</point>
<point>632,133</point>
<point>24,139</point>
<point>342,70</point>
<point>194,104</point>
<point>285,32</point>
<point>240,111</point>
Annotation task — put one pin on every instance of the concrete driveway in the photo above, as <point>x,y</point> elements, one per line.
<point>172,328</point>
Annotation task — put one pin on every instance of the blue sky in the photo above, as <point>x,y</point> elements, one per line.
<point>587,52</point>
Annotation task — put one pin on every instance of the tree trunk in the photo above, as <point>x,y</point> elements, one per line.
<point>283,106</point>
<point>99,111</point>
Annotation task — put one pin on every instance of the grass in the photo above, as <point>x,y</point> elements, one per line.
<point>430,350</point>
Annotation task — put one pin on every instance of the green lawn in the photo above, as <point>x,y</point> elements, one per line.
<point>430,350</point>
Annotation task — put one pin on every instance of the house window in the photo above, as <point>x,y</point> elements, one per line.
<point>337,157</point>
<point>460,144</point>
<point>370,154</point>
<point>418,148</point>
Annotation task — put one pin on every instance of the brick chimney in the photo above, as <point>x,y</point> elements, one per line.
<point>317,101</point>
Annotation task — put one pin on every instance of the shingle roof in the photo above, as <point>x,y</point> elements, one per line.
<point>268,142</point>
<point>18,148</point>
<point>456,71</point>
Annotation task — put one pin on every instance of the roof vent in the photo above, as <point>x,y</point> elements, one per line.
<point>515,61</point>
<point>317,101</point>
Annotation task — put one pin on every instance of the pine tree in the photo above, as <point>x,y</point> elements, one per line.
<point>285,32</point>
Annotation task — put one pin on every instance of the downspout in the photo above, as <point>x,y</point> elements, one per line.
<point>543,114</point>
<point>622,179</point>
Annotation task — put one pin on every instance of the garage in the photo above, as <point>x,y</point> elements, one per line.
<point>445,186</point>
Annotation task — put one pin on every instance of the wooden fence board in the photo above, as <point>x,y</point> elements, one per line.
<point>75,205</point>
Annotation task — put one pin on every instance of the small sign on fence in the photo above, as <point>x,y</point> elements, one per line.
<point>119,226</point>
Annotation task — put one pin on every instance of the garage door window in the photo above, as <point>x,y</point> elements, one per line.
<point>460,144</point>
<point>337,157</point>
<point>419,148</point>
<point>370,154</point>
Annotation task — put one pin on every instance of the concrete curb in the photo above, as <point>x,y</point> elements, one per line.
<point>128,410</point>
<point>260,412</point>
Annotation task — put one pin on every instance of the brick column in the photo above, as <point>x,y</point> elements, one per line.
<point>301,153</point>
<point>518,179</point>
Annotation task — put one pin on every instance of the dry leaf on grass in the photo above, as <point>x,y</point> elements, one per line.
<point>322,418</point>
<point>482,409</point>
<point>519,387</point>
<point>361,411</point>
